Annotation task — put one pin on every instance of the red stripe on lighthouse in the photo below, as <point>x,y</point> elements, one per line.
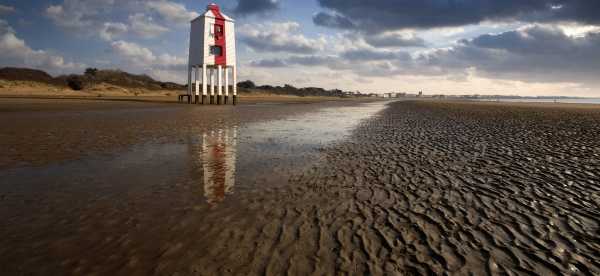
<point>219,36</point>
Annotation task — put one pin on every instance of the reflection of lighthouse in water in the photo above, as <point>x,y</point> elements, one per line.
<point>218,163</point>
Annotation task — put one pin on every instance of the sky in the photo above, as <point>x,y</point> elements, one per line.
<point>500,47</point>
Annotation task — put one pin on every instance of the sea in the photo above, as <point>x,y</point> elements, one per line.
<point>546,100</point>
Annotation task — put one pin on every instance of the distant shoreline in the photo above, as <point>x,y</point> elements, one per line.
<point>575,100</point>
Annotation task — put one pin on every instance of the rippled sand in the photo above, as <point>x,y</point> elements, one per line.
<point>433,188</point>
<point>455,188</point>
<point>421,188</point>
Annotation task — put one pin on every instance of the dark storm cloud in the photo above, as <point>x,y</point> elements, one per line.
<point>247,7</point>
<point>333,21</point>
<point>535,54</point>
<point>381,15</point>
<point>531,41</point>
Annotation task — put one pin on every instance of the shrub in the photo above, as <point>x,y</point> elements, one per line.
<point>246,84</point>
<point>91,72</point>
<point>76,83</point>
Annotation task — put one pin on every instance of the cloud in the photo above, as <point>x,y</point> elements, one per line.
<point>333,20</point>
<point>5,27</point>
<point>312,60</point>
<point>69,19</point>
<point>95,17</point>
<point>15,52</point>
<point>110,30</point>
<point>145,27</point>
<point>248,7</point>
<point>393,40</point>
<point>305,60</point>
<point>269,63</point>
<point>372,55</point>
<point>532,54</point>
<point>133,52</point>
<point>139,55</point>
<point>383,15</point>
<point>172,12</point>
<point>170,62</point>
<point>165,67</point>
<point>578,30</point>
<point>82,15</point>
<point>278,37</point>
<point>6,9</point>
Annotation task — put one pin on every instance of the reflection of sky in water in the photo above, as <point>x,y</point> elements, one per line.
<point>214,162</point>
<point>266,153</point>
<point>316,128</point>
<point>270,152</point>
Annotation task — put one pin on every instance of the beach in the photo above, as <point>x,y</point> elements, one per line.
<point>300,188</point>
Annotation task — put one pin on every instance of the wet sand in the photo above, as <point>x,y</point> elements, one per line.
<point>413,188</point>
<point>243,99</point>
<point>37,131</point>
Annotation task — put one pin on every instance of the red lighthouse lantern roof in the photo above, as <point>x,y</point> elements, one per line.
<point>213,7</point>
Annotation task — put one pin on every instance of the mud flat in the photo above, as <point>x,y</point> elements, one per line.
<point>105,187</point>
<point>415,188</point>
<point>432,188</point>
<point>37,131</point>
<point>457,188</point>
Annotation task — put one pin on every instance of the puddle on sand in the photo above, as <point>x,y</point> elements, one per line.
<point>107,210</point>
<point>267,153</point>
<point>215,164</point>
<point>218,163</point>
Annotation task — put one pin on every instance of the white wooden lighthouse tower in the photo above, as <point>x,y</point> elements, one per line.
<point>212,58</point>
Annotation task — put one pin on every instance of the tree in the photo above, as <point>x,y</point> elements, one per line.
<point>91,72</point>
<point>246,84</point>
<point>289,88</point>
<point>75,82</point>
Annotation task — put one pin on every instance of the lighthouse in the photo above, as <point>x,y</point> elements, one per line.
<point>212,58</point>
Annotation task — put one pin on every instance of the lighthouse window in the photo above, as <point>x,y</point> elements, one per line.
<point>218,31</point>
<point>216,50</point>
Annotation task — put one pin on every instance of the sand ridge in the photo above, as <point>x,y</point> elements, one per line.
<point>432,188</point>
